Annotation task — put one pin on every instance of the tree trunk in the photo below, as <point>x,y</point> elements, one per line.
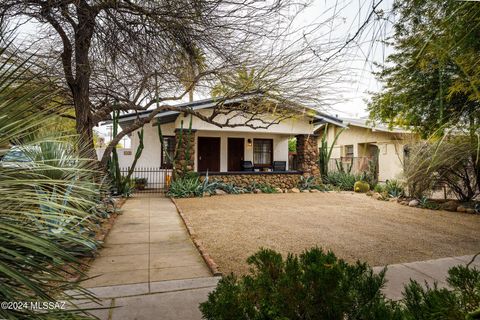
<point>81,90</point>
<point>84,126</point>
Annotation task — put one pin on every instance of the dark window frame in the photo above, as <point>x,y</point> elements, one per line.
<point>348,154</point>
<point>163,164</point>
<point>263,165</point>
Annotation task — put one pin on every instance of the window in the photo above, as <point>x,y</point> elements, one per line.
<point>168,152</point>
<point>349,151</point>
<point>262,152</point>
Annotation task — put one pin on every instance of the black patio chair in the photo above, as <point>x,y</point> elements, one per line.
<point>247,165</point>
<point>279,165</point>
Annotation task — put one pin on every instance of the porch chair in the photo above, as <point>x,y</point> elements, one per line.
<point>279,165</point>
<point>247,165</point>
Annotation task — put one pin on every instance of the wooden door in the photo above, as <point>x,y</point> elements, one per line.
<point>236,151</point>
<point>208,157</point>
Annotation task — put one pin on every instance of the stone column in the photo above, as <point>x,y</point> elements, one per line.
<point>307,154</point>
<point>185,151</point>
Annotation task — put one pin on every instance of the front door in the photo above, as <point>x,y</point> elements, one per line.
<point>236,150</point>
<point>208,154</point>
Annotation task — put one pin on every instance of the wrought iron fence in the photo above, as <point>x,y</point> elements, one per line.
<point>357,164</point>
<point>149,180</point>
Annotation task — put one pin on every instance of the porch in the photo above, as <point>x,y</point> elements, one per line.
<point>242,153</point>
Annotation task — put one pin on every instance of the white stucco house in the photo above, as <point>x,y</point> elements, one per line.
<point>228,150</point>
<point>362,141</point>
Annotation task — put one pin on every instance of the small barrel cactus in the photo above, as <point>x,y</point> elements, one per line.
<point>361,186</point>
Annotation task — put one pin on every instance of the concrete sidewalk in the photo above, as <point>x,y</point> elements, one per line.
<point>148,243</point>
<point>429,271</point>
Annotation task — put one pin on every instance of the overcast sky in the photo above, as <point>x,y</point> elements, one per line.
<point>360,55</point>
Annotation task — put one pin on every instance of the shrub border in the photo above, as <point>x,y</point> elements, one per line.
<point>198,244</point>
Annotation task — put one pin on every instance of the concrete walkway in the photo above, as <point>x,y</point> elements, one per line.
<point>429,271</point>
<point>148,243</point>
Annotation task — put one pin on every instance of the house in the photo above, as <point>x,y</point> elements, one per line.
<point>242,154</point>
<point>362,144</point>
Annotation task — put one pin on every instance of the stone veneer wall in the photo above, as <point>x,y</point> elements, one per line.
<point>307,154</point>
<point>185,160</point>
<point>283,181</point>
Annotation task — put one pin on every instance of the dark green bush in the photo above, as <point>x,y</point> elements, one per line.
<point>314,285</point>
<point>461,302</point>
<point>317,285</point>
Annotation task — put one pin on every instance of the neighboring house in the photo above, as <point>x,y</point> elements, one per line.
<point>361,143</point>
<point>228,152</point>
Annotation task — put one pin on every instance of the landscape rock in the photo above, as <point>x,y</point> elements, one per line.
<point>470,210</point>
<point>314,190</point>
<point>305,191</point>
<point>413,203</point>
<point>449,206</point>
<point>220,192</point>
<point>461,209</point>
<point>257,191</point>
<point>393,200</point>
<point>278,190</point>
<point>377,196</point>
<point>295,190</point>
<point>206,194</point>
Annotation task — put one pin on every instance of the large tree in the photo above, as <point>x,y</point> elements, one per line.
<point>432,80</point>
<point>131,55</point>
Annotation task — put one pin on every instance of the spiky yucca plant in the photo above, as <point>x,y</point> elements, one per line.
<point>47,203</point>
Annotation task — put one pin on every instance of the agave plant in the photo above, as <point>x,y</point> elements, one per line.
<point>48,203</point>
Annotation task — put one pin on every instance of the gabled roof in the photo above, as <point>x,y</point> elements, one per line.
<point>365,123</point>
<point>167,116</point>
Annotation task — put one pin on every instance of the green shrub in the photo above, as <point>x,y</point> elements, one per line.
<point>230,188</point>
<point>265,188</point>
<point>317,285</point>
<point>461,302</point>
<point>184,187</point>
<point>140,183</point>
<point>314,285</point>
<point>50,204</point>
<point>428,204</point>
<point>361,186</point>
<point>394,188</point>
<point>343,180</point>
<point>310,182</point>
<point>379,188</point>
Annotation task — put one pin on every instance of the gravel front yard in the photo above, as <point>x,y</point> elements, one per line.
<point>354,226</point>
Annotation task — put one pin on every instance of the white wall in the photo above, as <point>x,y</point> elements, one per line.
<point>390,145</point>
<point>151,155</point>
<point>125,156</point>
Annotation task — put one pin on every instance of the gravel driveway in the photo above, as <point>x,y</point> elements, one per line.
<point>354,226</point>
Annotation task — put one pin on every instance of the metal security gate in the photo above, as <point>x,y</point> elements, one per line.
<point>149,180</point>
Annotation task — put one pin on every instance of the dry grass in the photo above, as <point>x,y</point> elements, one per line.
<point>354,226</point>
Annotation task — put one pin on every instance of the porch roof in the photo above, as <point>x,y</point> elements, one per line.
<point>170,116</point>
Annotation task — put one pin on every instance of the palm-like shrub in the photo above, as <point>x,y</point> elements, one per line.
<point>453,160</point>
<point>343,180</point>
<point>47,203</point>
